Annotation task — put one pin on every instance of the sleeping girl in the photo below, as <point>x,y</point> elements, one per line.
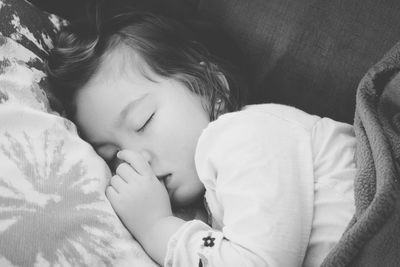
<point>167,116</point>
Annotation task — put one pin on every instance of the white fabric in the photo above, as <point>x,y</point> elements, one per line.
<point>279,186</point>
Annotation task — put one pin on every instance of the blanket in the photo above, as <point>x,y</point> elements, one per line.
<point>373,236</point>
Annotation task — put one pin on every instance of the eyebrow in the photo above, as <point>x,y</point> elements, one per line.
<point>131,105</point>
<point>122,116</point>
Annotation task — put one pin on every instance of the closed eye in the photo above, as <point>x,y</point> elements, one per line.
<point>141,129</point>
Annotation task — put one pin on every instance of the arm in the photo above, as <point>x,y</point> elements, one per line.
<point>157,236</point>
<point>263,224</point>
<point>142,203</point>
<point>259,171</point>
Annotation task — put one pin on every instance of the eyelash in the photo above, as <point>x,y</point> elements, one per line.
<point>113,160</point>
<point>146,123</point>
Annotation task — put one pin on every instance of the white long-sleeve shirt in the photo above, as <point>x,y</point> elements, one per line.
<point>279,189</point>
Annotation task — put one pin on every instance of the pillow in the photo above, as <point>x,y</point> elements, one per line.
<point>34,30</point>
<point>53,211</point>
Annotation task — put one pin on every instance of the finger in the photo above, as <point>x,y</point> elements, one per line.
<point>111,194</point>
<point>117,183</point>
<point>125,171</point>
<point>114,165</point>
<point>137,161</point>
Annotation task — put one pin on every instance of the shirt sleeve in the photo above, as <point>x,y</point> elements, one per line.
<point>259,166</point>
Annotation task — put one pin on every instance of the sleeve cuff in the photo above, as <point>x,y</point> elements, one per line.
<point>176,241</point>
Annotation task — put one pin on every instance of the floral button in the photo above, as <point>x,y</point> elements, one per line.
<point>208,241</point>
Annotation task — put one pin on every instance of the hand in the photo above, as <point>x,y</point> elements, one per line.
<point>137,196</point>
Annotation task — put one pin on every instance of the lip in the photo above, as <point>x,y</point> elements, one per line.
<point>165,180</point>
<point>162,177</point>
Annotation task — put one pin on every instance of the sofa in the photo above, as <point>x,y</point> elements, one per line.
<point>307,54</point>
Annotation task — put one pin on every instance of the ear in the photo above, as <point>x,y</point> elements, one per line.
<point>220,105</point>
<point>223,80</point>
<point>220,75</point>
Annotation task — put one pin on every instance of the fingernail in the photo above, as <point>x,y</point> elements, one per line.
<point>119,154</point>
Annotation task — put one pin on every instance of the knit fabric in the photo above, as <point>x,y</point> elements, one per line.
<point>372,237</point>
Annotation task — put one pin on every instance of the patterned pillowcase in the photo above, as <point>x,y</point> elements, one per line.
<point>53,211</point>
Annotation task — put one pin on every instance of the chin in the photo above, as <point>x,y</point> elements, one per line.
<point>183,198</point>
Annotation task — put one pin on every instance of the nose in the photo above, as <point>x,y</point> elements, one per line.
<point>138,145</point>
<point>146,155</point>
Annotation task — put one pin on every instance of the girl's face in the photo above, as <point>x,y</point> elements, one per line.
<point>119,109</point>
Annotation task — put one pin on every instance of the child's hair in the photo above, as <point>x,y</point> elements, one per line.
<point>166,47</point>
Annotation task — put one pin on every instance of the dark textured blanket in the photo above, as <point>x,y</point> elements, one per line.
<point>373,236</point>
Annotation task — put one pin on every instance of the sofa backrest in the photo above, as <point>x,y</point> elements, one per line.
<point>309,54</point>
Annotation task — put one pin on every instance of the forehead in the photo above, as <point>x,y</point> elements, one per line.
<point>118,80</point>
<point>122,61</point>
<point>119,69</point>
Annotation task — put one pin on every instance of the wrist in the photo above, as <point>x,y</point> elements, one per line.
<point>142,228</point>
<point>155,240</point>
<point>169,224</point>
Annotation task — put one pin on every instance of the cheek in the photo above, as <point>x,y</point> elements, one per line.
<point>190,191</point>
<point>177,130</point>
<point>184,142</point>
<point>174,148</point>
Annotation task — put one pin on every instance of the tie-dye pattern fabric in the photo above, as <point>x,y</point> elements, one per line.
<point>28,25</point>
<point>20,80</point>
<point>33,30</point>
<point>53,211</point>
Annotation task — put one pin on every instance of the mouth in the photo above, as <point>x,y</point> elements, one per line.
<point>163,178</point>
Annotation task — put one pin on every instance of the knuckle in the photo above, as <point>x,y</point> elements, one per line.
<point>121,167</point>
<point>130,154</point>
<point>108,190</point>
<point>113,179</point>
